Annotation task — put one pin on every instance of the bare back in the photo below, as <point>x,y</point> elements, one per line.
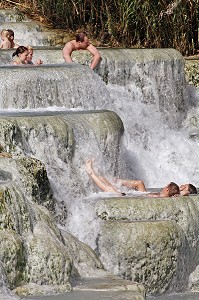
<point>6,44</point>
<point>68,49</point>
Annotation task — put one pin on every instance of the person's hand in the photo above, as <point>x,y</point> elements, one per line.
<point>39,62</point>
<point>184,193</point>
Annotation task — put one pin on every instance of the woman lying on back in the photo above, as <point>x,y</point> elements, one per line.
<point>170,190</point>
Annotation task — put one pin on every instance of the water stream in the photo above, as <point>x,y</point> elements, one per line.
<point>147,90</point>
<point>104,296</point>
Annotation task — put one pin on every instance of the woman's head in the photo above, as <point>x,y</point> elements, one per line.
<point>5,33</point>
<point>21,52</point>
<point>30,54</point>
<point>188,188</point>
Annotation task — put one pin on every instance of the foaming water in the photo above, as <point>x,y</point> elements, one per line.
<point>146,88</point>
<point>47,111</point>
<point>28,32</point>
<point>161,127</point>
<point>83,212</point>
<point>156,153</point>
<point>156,149</point>
<point>46,85</point>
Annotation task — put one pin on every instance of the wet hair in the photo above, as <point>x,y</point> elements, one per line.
<point>19,50</point>
<point>30,48</point>
<point>11,32</point>
<point>5,32</point>
<point>192,189</point>
<point>80,37</point>
<point>173,189</point>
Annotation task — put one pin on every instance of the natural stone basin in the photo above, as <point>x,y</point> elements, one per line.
<point>150,240</point>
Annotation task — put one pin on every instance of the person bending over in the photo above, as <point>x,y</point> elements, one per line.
<point>172,189</point>
<point>81,42</point>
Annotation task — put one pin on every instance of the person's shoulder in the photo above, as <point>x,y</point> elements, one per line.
<point>70,44</point>
<point>15,61</point>
<point>6,44</point>
<point>91,46</point>
<point>93,50</point>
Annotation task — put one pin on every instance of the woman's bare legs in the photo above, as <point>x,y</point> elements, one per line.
<point>137,185</point>
<point>100,181</point>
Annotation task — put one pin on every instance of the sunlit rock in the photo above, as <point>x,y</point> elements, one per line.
<point>153,240</point>
<point>35,256</point>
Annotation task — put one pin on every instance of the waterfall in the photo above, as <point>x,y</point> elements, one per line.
<point>153,105</point>
<point>134,115</point>
<point>45,86</point>
<point>28,32</point>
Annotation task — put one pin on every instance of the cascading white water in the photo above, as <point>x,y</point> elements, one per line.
<point>67,86</point>
<point>152,105</point>
<point>157,153</point>
<point>26,31</point>
<point>146,88</point>
<point>151,97</point>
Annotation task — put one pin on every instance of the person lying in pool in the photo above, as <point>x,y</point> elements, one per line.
<point>170,190</point>
<point>185,189</point>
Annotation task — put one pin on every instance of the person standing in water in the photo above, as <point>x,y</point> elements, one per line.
<point>21,54</point>
<point>5,36</point>
<point>81,42</point>
<point>30,56</point>
<point>11,38</point>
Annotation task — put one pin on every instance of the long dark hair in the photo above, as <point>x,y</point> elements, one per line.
<point>192,189</point>
<point>20,49</point>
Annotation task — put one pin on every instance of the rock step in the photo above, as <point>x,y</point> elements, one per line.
<point>110,286</point>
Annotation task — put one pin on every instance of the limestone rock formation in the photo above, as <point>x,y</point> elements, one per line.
<point>150,241</point>
<point>33,251</point>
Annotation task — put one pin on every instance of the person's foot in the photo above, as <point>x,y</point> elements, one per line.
<point>89,166</point>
